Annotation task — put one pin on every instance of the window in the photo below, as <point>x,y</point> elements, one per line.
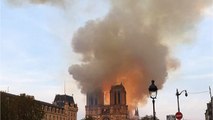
<point>96,100</point>
<point>119,97</point>
<point>115,97</point>
<point>91,100</point>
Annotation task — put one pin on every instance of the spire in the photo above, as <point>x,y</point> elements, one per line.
<point>64,87</point>
<point>210,93</point>
<point>121,84</point>
<point>136,112</point>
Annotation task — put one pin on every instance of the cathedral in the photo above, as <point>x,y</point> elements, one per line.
<point>116,110</point>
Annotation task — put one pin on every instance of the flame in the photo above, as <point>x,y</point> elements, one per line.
<point>132,44</point>
<point>134,83</point>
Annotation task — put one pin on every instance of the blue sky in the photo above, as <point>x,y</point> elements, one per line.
<point>35,53</point>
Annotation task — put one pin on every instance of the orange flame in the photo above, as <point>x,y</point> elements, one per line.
<point>136,89</point>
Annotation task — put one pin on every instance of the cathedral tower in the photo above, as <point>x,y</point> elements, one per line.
<point>116,110</point>
<point>95,98</point>
<point>95,101</point>
<point>118,95</point>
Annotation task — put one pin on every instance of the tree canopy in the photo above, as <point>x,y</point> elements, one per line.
<point>20,108</point>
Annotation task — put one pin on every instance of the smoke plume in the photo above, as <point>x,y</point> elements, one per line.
<point>131,44</point>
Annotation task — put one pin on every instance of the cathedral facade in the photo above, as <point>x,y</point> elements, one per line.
<point>116,110</point>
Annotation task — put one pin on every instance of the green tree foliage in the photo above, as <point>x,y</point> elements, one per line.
<point>20,108</point>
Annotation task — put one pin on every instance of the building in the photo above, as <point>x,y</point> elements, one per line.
<point>170,117</point>
<point>209,111</point>
<point>116,110</point>
<point>148,117</point>
<point>63,107</point>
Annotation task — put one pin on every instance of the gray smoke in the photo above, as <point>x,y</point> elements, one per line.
<point>132,44</point>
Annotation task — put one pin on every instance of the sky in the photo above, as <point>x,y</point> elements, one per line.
<point>36,52</point>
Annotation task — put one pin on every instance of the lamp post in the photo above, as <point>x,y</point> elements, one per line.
<point>153,94</point>
<point>178,94</point>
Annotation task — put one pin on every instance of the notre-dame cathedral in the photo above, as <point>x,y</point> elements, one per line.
<point>116,110</point>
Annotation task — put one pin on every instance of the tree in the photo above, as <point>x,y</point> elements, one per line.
<point>20,108</point>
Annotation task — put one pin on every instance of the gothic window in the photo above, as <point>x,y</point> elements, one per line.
<point>91,100</point>
<point>115,97</point>
<point>119,97</point>
<point>96,100</point>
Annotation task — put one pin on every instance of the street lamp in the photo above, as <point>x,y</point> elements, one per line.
<point>179,93</point>
<point>153,94</point>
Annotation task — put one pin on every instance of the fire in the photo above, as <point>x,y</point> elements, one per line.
<point>133,81</point>
<point>131,45</point>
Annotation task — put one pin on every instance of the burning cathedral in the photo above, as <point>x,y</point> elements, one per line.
<point>116,110</point>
